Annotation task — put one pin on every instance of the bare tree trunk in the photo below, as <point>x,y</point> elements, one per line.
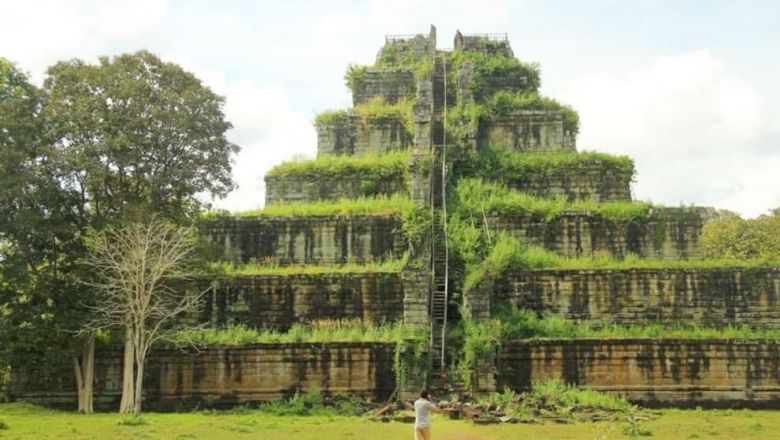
<point>139,382</point>
<point>128,387</point>
<point>85,375</point>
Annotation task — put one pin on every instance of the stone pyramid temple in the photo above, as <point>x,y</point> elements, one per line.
<point>452,197</point>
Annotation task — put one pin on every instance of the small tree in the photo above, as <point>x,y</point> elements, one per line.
<point>134,268</point>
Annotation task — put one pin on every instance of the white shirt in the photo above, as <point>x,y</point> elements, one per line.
<point>422,413</point>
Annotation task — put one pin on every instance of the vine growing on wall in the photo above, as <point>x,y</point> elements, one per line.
<point>410,361</point>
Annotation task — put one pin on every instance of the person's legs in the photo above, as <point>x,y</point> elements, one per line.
<point>422,433</point>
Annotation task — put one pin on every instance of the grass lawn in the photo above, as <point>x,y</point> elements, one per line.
<point>27,422</point>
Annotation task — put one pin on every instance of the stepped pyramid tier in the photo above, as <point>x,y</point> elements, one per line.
<point>452,194</point>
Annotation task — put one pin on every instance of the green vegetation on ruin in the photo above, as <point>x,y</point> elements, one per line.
<point>23,421</point>
<point>487,68</point>
<point>558,400</point>
<point>232,269</point>
<point>338,167</point>
<point>316,331</point>
<point>516,324</point>
<point>482,339</point>
<point>502,164</point>
<point>473,197</point>
<point>397,54</point>
<point>378,108</point>
<point>507,253</point>
<point>379,205</point>
<point>354,76</point>
<point>504,103</point>
<point>375,108</point>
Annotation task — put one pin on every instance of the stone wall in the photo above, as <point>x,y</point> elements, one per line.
<point>417,292</point>
<point>334,239</point>
<point>390,84</point>
<point>528,131</point>
<point>407,47</point>
<point>671,233</point>
<point>228,376</point>
<point>311,187</point>
<point>482,44</point>
<point>355,135</point>
<point>278,301</point>
<point>708,297</point>
<point>596,181</point>
<point>683,372</point>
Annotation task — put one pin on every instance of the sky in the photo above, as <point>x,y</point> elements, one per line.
<point>689,89</point>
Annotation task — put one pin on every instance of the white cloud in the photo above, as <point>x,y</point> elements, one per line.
<point>37,33</point>
<point>265,126</point>
<point>698,133</point>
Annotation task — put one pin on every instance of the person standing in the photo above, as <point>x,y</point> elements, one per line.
<point>422,416</point>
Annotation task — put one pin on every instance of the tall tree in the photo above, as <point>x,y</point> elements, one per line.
<point>39,244</point>
<point>134,137</point>
<point>134,267</point>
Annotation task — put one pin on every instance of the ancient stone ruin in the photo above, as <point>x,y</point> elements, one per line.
<point>444,139</point>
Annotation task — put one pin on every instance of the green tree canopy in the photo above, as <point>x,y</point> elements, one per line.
<point>134,134</point>
<point>730,236</point>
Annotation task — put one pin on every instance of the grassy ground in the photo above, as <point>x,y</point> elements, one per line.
<point>27,422</point>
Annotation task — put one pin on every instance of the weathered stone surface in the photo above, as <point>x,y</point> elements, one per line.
<point>671,233</point>
<point>707,297</point>
<point>310,239</point>
<point>596,181</point>
<point>528,131</point>
<point>389,84</point>
<point>228,376</point>
<point>652,372</point>
<point>417,288</point>
<point>295,188</point>
<point>482,44</point>
<point>407,47</point>
<point>278,301</point>
<point>355,135</point>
